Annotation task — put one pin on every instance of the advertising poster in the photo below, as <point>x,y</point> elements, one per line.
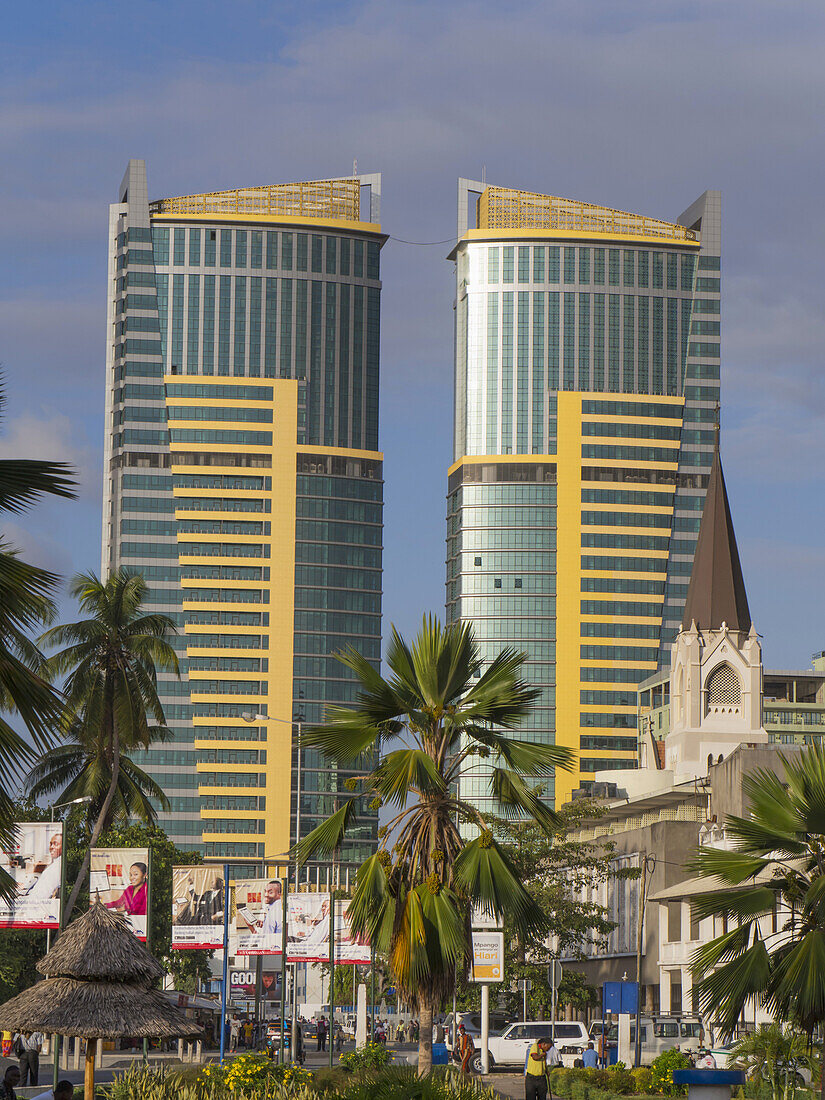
<point>119,877</point>
<point>242,986</point>
<point>258,916</point>
<point>488,957</point>
<point>35,863</point>
<point>308,931</point>
<point>197,907</point>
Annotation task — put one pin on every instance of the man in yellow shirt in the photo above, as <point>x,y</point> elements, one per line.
<point>535,1070</point>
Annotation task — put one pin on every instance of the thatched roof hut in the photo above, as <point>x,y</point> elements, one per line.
<point>97,985</point>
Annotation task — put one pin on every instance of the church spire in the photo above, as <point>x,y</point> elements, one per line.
<point>716,593</point>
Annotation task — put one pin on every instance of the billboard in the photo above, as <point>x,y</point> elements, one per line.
<point>488,957</point>
<point>308,931</point>
<point>36,865</point>
<point>242,985</point>
<point>197,907</point>
<point>119,877</point>
<point>258,919</point>
<point>258,915</point>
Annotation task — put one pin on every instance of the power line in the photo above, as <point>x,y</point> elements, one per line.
<point>424,244</point>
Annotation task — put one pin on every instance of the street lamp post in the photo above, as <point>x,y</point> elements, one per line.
<point>60,806</point>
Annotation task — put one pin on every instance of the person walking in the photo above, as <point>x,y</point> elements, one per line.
<point>299,1044</point>
<point>322,1033</point>
<point>339,1037</point>
<point>234,1030</point>
<point>535,1069</point>
<point>465,1049</point>
<point>27,1045</point>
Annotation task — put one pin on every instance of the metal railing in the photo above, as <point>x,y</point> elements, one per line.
<point>503,208</point>
<point>336,199</point>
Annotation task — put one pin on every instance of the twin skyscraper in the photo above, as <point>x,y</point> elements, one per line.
<point>243,477</point>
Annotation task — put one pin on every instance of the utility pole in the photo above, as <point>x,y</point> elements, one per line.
<point>648,865</point>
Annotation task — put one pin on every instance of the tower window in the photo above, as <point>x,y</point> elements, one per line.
<point>724,691</point>
<point>497,582</point>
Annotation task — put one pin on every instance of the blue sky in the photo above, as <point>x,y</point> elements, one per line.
<point>640,105</point>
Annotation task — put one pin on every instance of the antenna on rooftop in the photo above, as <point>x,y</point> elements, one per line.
<point>354,167</point>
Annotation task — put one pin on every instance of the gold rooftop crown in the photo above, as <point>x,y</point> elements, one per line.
<point>332,200</point>
<point>503,208</point>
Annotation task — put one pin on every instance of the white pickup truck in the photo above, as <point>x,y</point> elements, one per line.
<point>511,1046</point>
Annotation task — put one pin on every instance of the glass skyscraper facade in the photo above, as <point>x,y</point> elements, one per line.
<point>243,480</point>
<point>586,401</point>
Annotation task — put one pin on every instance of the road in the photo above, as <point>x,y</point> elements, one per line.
<point>509,1085</point>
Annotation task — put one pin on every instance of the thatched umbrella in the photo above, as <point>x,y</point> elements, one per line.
<point>98,985</point>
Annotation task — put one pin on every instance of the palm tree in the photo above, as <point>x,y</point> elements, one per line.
<point>776,865</point>
<point>26,604</point>
<point>413,896</point>
<point>76,769</point>
<point>774,1054</point>
<point>112,706</point>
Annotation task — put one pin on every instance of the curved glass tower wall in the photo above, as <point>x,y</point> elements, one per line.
<point>586,398</point>
<point>243,480</point>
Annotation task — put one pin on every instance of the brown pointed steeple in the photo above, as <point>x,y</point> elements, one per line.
<point>716,593</point>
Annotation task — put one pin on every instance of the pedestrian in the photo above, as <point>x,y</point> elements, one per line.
<point>590,1058</point>
<point>465,1049</point>
<point>299,1044</point>
<point>535,1069</point>
<point>234,1029</point>
<point>27,1046</point>
<point>399,1032</point>
<point>64,1091</point>
<point>410,1031</point>
<point>416,1030</point>
<point>322,1033</point>
<point>339,1037</point>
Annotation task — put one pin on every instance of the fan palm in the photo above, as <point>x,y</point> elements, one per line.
<point>775,1054</point>
<point>110,662</point>
<point>776,865</point>
<point>26,604</point>
<point>413,896</point>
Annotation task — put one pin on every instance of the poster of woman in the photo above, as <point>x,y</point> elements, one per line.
<point>119,877</point>
<point>35,862</point>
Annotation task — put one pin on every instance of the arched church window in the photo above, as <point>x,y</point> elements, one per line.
<point>724,691</point>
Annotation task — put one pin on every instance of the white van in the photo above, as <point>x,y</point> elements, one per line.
<point>658,1033</point>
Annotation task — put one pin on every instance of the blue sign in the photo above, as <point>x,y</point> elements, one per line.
<point>620,997</point>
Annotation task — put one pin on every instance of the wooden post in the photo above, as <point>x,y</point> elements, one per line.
<point>89,1078</point>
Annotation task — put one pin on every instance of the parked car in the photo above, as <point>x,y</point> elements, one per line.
<point>472,1025</point>
<point>511,1046</point>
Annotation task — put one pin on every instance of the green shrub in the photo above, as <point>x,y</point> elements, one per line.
<point>370,1057</point>
<point>561,1078</point>
<point>661,1072</point>
<point>642,1078</point>
<point>620,1080</point>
